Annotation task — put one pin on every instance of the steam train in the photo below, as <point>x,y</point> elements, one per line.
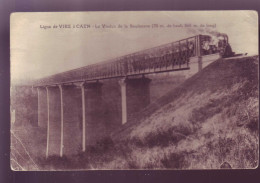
<point>216,44</point>
<point>171,56</point>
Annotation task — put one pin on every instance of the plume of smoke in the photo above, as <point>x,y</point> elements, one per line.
<point>205,31</point>
<point>215,33</point>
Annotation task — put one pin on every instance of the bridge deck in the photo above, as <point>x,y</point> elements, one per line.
<point>75,79</point>
<point>165,58</point>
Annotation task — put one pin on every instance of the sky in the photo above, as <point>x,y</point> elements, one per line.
<point>37,52</point>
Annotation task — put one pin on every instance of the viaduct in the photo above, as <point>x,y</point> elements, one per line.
<point>69,105</point>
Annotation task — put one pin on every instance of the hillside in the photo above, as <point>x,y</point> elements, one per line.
<point>209,119</point>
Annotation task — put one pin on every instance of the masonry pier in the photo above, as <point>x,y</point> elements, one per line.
<point>72,119</point>
<point>54,121</point>
<point>95,121</point>
<point>42,107</point>
<point>135,96</point>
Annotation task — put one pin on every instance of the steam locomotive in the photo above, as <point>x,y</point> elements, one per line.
<point>216,44</point>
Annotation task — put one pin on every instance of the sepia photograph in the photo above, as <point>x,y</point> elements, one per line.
<point>134,90</point>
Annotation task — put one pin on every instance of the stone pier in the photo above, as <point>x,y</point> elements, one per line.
<point>42,107</point>
<point>53,121</point>
<point>72,119</point>
<point>198,63</point>
<point>95,127</point>
<point>135,96</point>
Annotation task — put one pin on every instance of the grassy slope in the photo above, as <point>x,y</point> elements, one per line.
<point>209,119</point>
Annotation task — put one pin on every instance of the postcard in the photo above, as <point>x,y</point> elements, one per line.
<point>160,90</point>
